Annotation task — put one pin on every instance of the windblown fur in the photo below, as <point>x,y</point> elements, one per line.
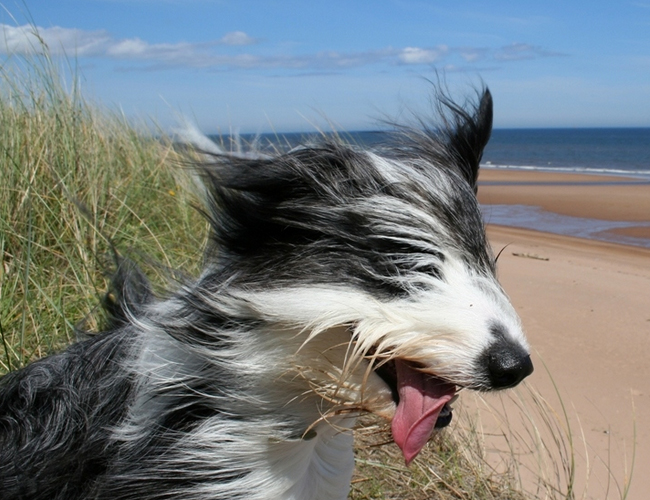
<point>337,281</point>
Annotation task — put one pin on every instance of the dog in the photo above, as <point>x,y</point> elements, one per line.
<point>337,281</point>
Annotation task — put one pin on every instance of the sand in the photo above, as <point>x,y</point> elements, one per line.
<point>585,307</point>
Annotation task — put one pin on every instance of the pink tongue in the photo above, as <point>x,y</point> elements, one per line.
<point>421,399</point>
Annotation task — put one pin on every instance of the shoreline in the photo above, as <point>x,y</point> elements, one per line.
<point>598,207</point>
<point>638,175</point>
<point>585,307</point>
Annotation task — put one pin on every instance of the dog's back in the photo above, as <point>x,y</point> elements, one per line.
<point>55,417</point>
<point>56,414</point>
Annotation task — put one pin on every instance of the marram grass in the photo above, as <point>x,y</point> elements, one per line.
<point>75,178</point>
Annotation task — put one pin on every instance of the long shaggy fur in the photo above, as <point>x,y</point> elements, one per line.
<point>328,266</point>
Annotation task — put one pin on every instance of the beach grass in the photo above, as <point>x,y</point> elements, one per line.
<point>515,445</point>
<point>78,180</point>
<point>451,467</point>
<point>74,180</point>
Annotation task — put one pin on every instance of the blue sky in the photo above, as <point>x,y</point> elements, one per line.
<point>296,65</point>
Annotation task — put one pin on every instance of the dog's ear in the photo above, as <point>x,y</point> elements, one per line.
<point>468,131</point>
<point>455,138</point>
<point>129,292</point>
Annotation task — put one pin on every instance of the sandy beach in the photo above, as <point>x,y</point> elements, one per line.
<point>585,306</point>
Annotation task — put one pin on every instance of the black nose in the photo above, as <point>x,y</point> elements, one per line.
<point>506,364</point>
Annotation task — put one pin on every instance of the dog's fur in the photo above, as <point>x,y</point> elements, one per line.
<point>328,267</point>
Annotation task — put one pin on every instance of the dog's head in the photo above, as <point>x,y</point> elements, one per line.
<point>380,259</point>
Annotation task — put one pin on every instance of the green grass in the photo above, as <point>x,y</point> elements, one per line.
<point>73,177</point>
<point>76,178</point>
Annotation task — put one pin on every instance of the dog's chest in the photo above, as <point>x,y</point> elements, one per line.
<point>316,468</point>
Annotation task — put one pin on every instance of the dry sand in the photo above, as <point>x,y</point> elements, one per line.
<point>585,306</point>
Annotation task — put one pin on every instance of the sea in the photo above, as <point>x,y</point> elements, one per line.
<point>623,152</point>
<point>608,151</point>
<point>611,151</point>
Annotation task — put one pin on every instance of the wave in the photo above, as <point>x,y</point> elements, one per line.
<point>576,170</point>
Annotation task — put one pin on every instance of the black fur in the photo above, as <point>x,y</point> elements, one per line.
<point>54,417</point>
<point>275,219</point>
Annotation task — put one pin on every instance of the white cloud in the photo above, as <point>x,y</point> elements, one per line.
<point>132,47</point>
<point>29,39</point>
<point>174,54</point>
<point>472,54</point>
<point>75,42</point>
<point>522,51</point>
<point>237,38</point>
<point>416,55</point>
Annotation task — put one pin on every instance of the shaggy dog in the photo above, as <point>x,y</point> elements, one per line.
<point>337,281</point>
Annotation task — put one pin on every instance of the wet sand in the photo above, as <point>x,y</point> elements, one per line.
<point>585,306</point>
<point>588,196</point>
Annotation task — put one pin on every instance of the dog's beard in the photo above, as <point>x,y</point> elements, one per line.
<point>415,402</point>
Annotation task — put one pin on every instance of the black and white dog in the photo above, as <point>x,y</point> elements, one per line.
<point>338,281</point>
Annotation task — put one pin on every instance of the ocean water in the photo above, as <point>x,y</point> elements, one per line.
<point>616,151</point>
<point>596,150</point>
<point>607,151</point>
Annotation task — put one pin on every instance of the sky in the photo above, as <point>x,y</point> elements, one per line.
<point>299,65</point>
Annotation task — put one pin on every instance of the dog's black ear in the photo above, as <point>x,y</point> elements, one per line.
<point>129,291</point>
<point>468,132</point>
<point>455,139</point>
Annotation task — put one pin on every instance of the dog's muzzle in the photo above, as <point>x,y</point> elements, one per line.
<point>505,364</point>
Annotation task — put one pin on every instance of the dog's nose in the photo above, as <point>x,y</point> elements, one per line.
<point>506,364</point>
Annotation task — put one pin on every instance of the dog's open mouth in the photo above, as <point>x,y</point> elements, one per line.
<point>422,404</point>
